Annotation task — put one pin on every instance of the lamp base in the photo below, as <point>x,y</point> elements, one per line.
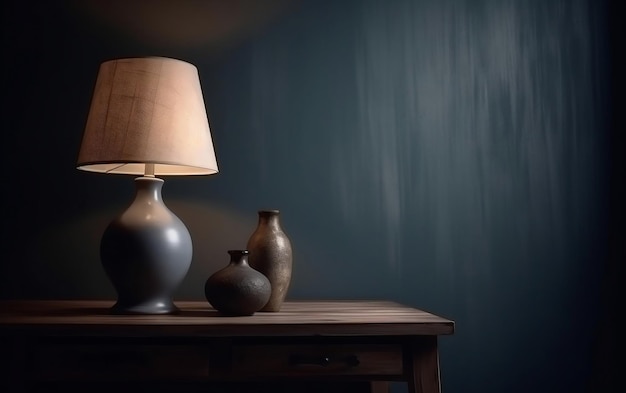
<point>146,253</point>
<point>165,306</point>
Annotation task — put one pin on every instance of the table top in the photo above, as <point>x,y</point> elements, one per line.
<point>197,318</point>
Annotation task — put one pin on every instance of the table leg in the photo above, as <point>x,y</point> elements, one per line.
<point>423,366</point>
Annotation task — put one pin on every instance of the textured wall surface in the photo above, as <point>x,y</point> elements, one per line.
<point>452,155</point>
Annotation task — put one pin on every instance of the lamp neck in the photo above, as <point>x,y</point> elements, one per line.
<point>149,170</point>
<point>148,188</point>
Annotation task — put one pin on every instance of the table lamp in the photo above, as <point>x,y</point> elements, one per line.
<point>147,118</point>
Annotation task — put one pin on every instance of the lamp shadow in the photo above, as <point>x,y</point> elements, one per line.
<point>99,311</point>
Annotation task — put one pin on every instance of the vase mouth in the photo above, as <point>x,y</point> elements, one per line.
<point>238,252</point>
<point>269,211</point>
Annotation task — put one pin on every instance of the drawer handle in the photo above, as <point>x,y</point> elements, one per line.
<point>324,361</point>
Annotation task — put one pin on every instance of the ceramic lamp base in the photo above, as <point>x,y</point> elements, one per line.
<point>146,253</point>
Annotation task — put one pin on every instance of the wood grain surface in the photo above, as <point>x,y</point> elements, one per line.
<point>296,318</point>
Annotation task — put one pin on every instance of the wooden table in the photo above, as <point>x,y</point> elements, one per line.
<point>329,345</point>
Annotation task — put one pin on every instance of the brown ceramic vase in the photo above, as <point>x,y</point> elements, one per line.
<point>271,254</point>
<point>237,289</point>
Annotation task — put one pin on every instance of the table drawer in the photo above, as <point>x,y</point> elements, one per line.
<point>119,361</point>
<point>315,360</point>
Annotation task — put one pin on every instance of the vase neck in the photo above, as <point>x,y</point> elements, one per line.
<point>238,257</point>
<point>269,218</point>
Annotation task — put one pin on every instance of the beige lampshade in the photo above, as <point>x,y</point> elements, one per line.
<point>147,110</point>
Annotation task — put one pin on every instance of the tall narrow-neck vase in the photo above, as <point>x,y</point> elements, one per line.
<point>271,254</point>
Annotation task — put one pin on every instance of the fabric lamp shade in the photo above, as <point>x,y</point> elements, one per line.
<point>147,110</point>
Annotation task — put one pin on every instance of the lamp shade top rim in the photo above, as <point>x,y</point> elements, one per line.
<point>146,58</point>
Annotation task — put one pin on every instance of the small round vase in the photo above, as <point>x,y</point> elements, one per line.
<point>237,289</point>
<point>271,254</point>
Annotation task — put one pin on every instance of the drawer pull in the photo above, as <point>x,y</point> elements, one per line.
<point>324,361</point>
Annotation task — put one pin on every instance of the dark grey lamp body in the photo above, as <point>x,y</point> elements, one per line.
<point>146,252</point>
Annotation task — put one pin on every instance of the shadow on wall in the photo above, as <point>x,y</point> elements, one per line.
<point>77,272</point>
<point>74,247</point>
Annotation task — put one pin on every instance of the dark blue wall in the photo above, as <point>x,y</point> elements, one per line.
<point>451,155</point>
